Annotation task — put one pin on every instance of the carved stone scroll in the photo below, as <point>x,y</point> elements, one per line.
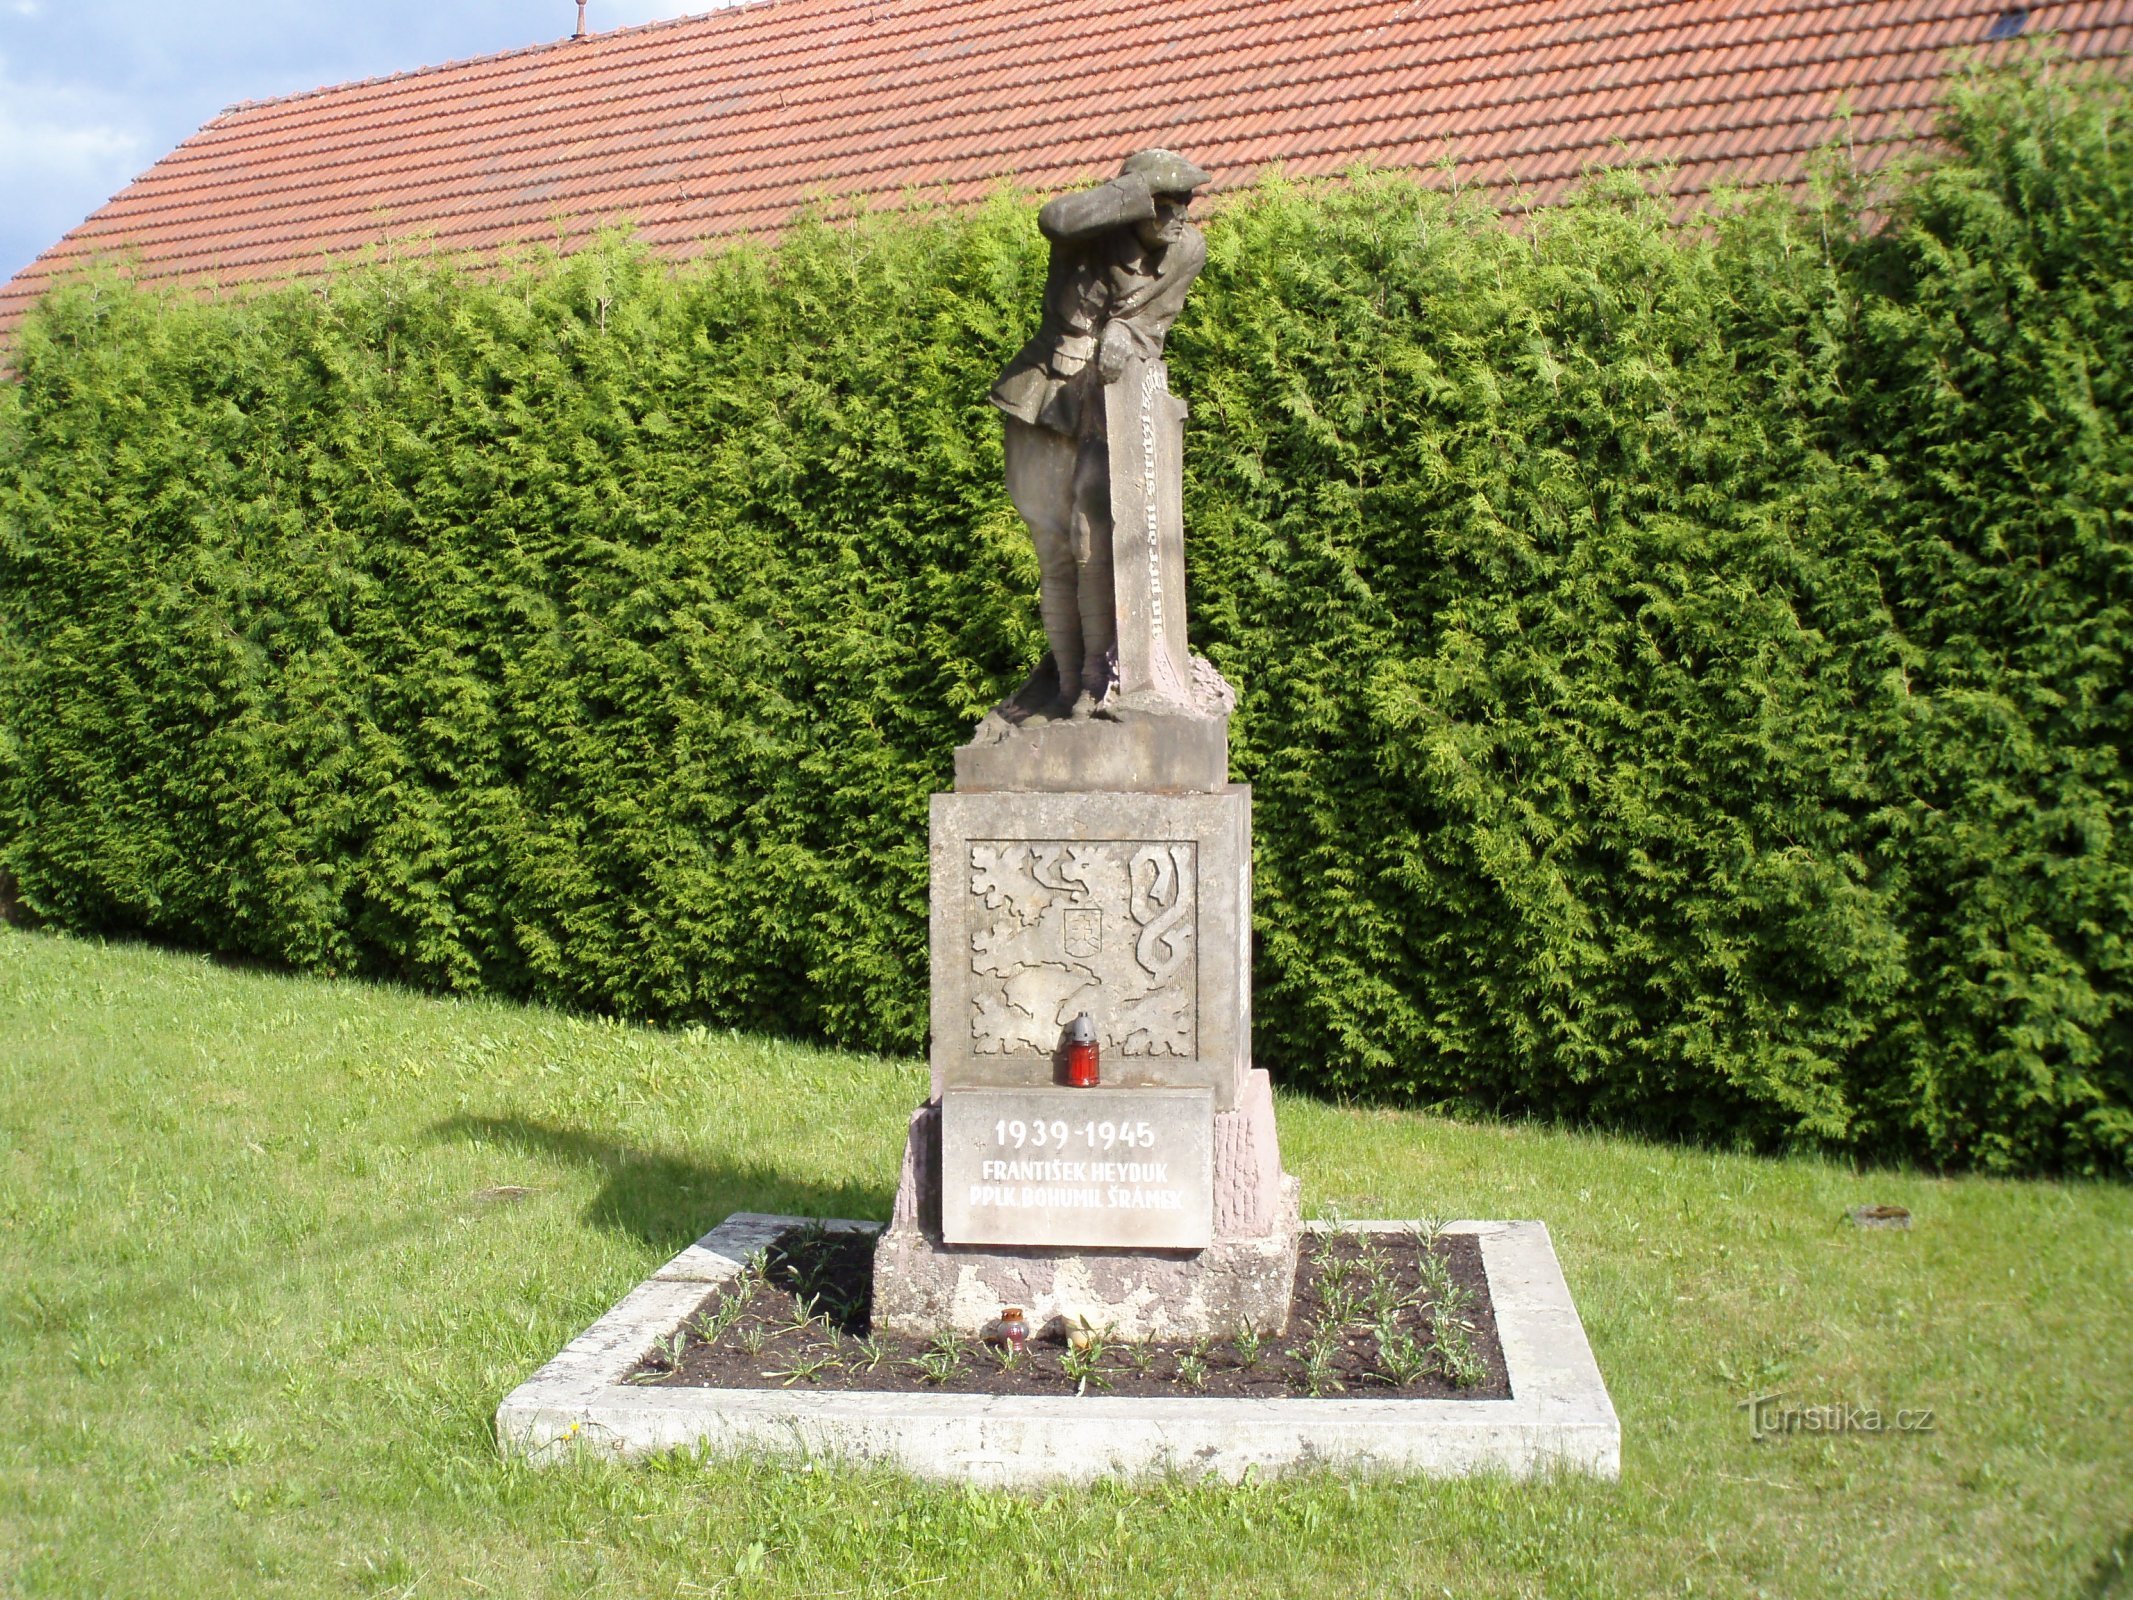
<point>1146,426</point>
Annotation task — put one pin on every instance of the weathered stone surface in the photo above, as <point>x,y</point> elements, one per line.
<point>1145,428</point>
<point>923,1286</point>
<point>1134,908</point>
<point>1093,434</point>
<point>1183,753</point>
<point>1110,1167</point>
<point>1247,1162</point>
<point>1247,1155</point>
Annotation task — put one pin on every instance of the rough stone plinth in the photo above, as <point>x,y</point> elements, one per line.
<point>923,1285</point>
<point>1183,752</point>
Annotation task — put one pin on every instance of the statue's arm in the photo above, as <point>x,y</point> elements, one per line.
<point>1139,325</point>
<point>1088,212</point>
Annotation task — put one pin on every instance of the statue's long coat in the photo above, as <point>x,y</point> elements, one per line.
<point>1100,273</point>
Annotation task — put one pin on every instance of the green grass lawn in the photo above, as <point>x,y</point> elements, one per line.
<point>254,1321</point>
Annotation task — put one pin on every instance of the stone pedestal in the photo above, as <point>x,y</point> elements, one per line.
<point>1154,1205</point>
<point>1099,867</point>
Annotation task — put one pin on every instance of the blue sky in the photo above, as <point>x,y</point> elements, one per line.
<point>93,92</point>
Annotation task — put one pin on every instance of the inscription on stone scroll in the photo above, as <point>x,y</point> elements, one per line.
<point>1106,927</point>
<point>1146,428</point>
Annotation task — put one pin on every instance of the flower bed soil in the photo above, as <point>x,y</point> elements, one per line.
<point>1375,1315</point>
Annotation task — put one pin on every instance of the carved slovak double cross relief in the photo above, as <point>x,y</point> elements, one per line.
<point>1059,928</point>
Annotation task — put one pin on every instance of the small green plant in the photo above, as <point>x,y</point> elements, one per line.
<point>868,1353</point>
<point>1339,1302</point>
<point>1453,1340</point>
<point>1142,1353</point>
<point>806,1369</point>
<point>1250,1345</point>
<point>803,1262</point>
<point>1334,1269</point>
<point>664,1358</point>
<point>1402,1358</point>
<point>1081,1332</point>
<point>1383,1298</point>
<point>1319,1355</point>
<point>942,1359</point>
<point>1370,1262</point>
<point>1192,1370</point>
<point>751,1339</point>
<point>839,1310</point>
<point>1462,1363</point>
<point>1084,1364</point>
<point>1318,1375</point>
<point>938,1365</point>
<point>1436,1274</point>
<point>803,1312</point>
<point>713,1325</point>
<point>1007,1355</point>
<point>707,1325</point>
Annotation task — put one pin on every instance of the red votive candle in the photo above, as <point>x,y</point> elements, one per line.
<point>1081,1064</point>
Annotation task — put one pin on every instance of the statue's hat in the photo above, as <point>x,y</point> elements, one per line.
<point>1167,172</point>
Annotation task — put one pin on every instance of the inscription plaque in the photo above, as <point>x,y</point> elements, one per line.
<point>1129,1167</point>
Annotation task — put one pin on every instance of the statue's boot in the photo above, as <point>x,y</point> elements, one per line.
<point>1070,695</point>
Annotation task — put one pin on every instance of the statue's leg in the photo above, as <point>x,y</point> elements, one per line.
<point>1094,599</point>
<point>1040,482</point>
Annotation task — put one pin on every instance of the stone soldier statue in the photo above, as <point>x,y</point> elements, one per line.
<point>1123,256</point>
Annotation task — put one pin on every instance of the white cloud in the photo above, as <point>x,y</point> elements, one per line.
<point>25,8</point>
<point>66,150</point>
<point>63,152</point>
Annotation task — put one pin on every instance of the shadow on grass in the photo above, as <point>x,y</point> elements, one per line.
<point>2112,1576</point>
<point>665,1200</point>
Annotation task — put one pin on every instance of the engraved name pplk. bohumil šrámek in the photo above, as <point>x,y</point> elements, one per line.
<point>1063,928</point>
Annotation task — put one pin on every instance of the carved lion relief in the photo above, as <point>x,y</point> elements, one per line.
<point>1061,928</point>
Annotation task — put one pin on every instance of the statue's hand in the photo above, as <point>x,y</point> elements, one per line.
<point>1115,351</point>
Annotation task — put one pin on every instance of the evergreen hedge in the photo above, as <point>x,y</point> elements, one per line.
<point>1684,669</point>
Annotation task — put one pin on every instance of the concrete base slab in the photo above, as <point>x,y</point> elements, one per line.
<point>1558,1415</point>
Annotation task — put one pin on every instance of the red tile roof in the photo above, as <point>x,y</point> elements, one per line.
<point>726,123</point>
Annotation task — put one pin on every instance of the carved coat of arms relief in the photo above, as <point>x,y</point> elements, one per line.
<point>1061,928</point>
